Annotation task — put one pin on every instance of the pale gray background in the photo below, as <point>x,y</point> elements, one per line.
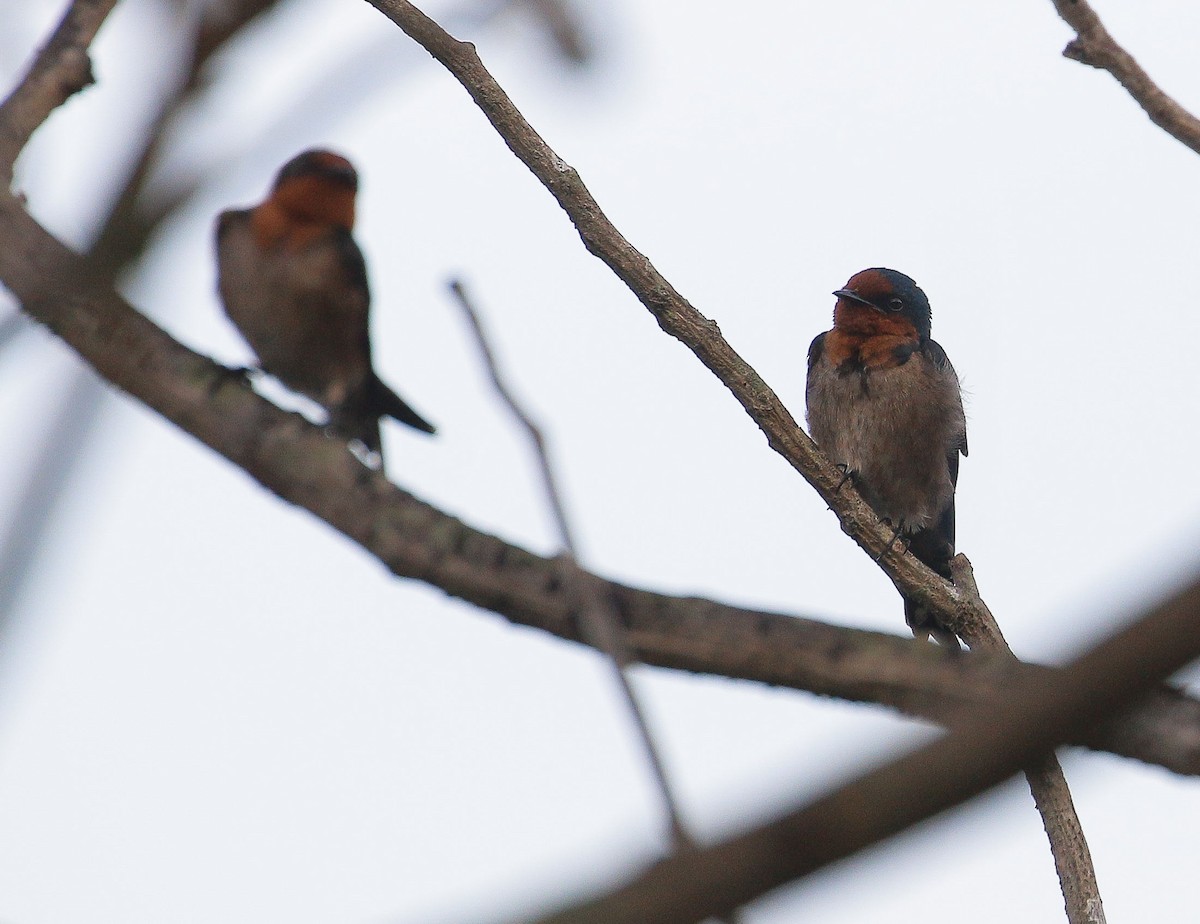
<point>216,709</point>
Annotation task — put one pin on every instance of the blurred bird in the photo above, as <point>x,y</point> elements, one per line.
<point>293,281</point>
<point>884,404</point>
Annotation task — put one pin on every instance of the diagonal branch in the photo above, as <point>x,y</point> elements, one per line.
<point>302,466</point>
<point>990,748</point>
<point>681,320</point>
<point>59,71</point>
<point>1094,47</point>
<point>961,610</point>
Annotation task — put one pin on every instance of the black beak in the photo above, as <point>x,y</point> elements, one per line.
<point>852,296</point>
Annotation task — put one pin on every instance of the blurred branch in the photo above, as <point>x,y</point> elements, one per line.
<point>998,740</point>
<point>134,219</point>
<point>59,70</point>
<point>562,22</point>
<point>24,534</point>
<point>962,611</point>
<point>1094,47</point>
<point>123,239</point>
<point>532,430</point>
<point>301,465</point>
<point>11,325</point>
<point>223,20</point>
<point>598,623</point>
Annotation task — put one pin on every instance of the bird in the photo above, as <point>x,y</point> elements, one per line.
<point>293,281</point>
<point>884,404</point>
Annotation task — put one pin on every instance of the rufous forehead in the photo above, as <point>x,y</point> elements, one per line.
<point>870,284</point>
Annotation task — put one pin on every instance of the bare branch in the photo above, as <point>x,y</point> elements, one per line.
<point>1094,47</point>
<point>296,461</point>
<point>532,430</point>
<point>563,24</point>
<point>60,70</point>
<point>961,611</point>
<point>1017,732</point>
<point>598,621</point>
<point>221,23</point>
<point>1072,856</point>
<point>1051,795</point>
<point>677,317</point>
<point>1047,783</point>
<point>133,220</point>
<point>12,325</point>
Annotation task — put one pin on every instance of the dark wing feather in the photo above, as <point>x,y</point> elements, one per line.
<point>227,220</point>
<point>934,545</point>
<point>815,349</point>
<point>379,400</point>
<point>941,361</point>
<point>352,260</point>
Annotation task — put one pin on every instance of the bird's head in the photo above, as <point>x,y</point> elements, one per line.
<point>883,299</point>
<point>317,186</point>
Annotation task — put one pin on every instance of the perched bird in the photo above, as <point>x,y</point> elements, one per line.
<point>293,281</point>
<point>885,405</point>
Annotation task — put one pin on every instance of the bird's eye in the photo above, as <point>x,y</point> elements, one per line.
<point>895,304</point>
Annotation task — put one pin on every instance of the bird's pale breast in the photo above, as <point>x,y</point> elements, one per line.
<point>893,428</point>
<point>305,321</point>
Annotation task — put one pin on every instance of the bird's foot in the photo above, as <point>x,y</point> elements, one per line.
<point>891,542</point>
<point>225,375</point>
<point>847,475</point>
<point>245,373</point>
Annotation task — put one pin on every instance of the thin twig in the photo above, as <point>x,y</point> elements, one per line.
<point>532,430</point>
<point>960,611</point>
<point>134,219</point>
<point>1095,47</point>
<point>599,625</point>
<point>995,744</point>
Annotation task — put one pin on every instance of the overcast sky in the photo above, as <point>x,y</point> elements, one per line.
<point>215,708</point>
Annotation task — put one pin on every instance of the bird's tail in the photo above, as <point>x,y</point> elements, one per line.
<point>358,417</point>
<point>931,547</point>
<point>355,420</point>
<point>384,402</point>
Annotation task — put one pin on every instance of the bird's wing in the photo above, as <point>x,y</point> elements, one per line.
<point>354,309</point>
<point>815,349</point>
<point>941,362</point>
<point>225,221</point>
<point>352,261</point>
<point>378,399</point>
